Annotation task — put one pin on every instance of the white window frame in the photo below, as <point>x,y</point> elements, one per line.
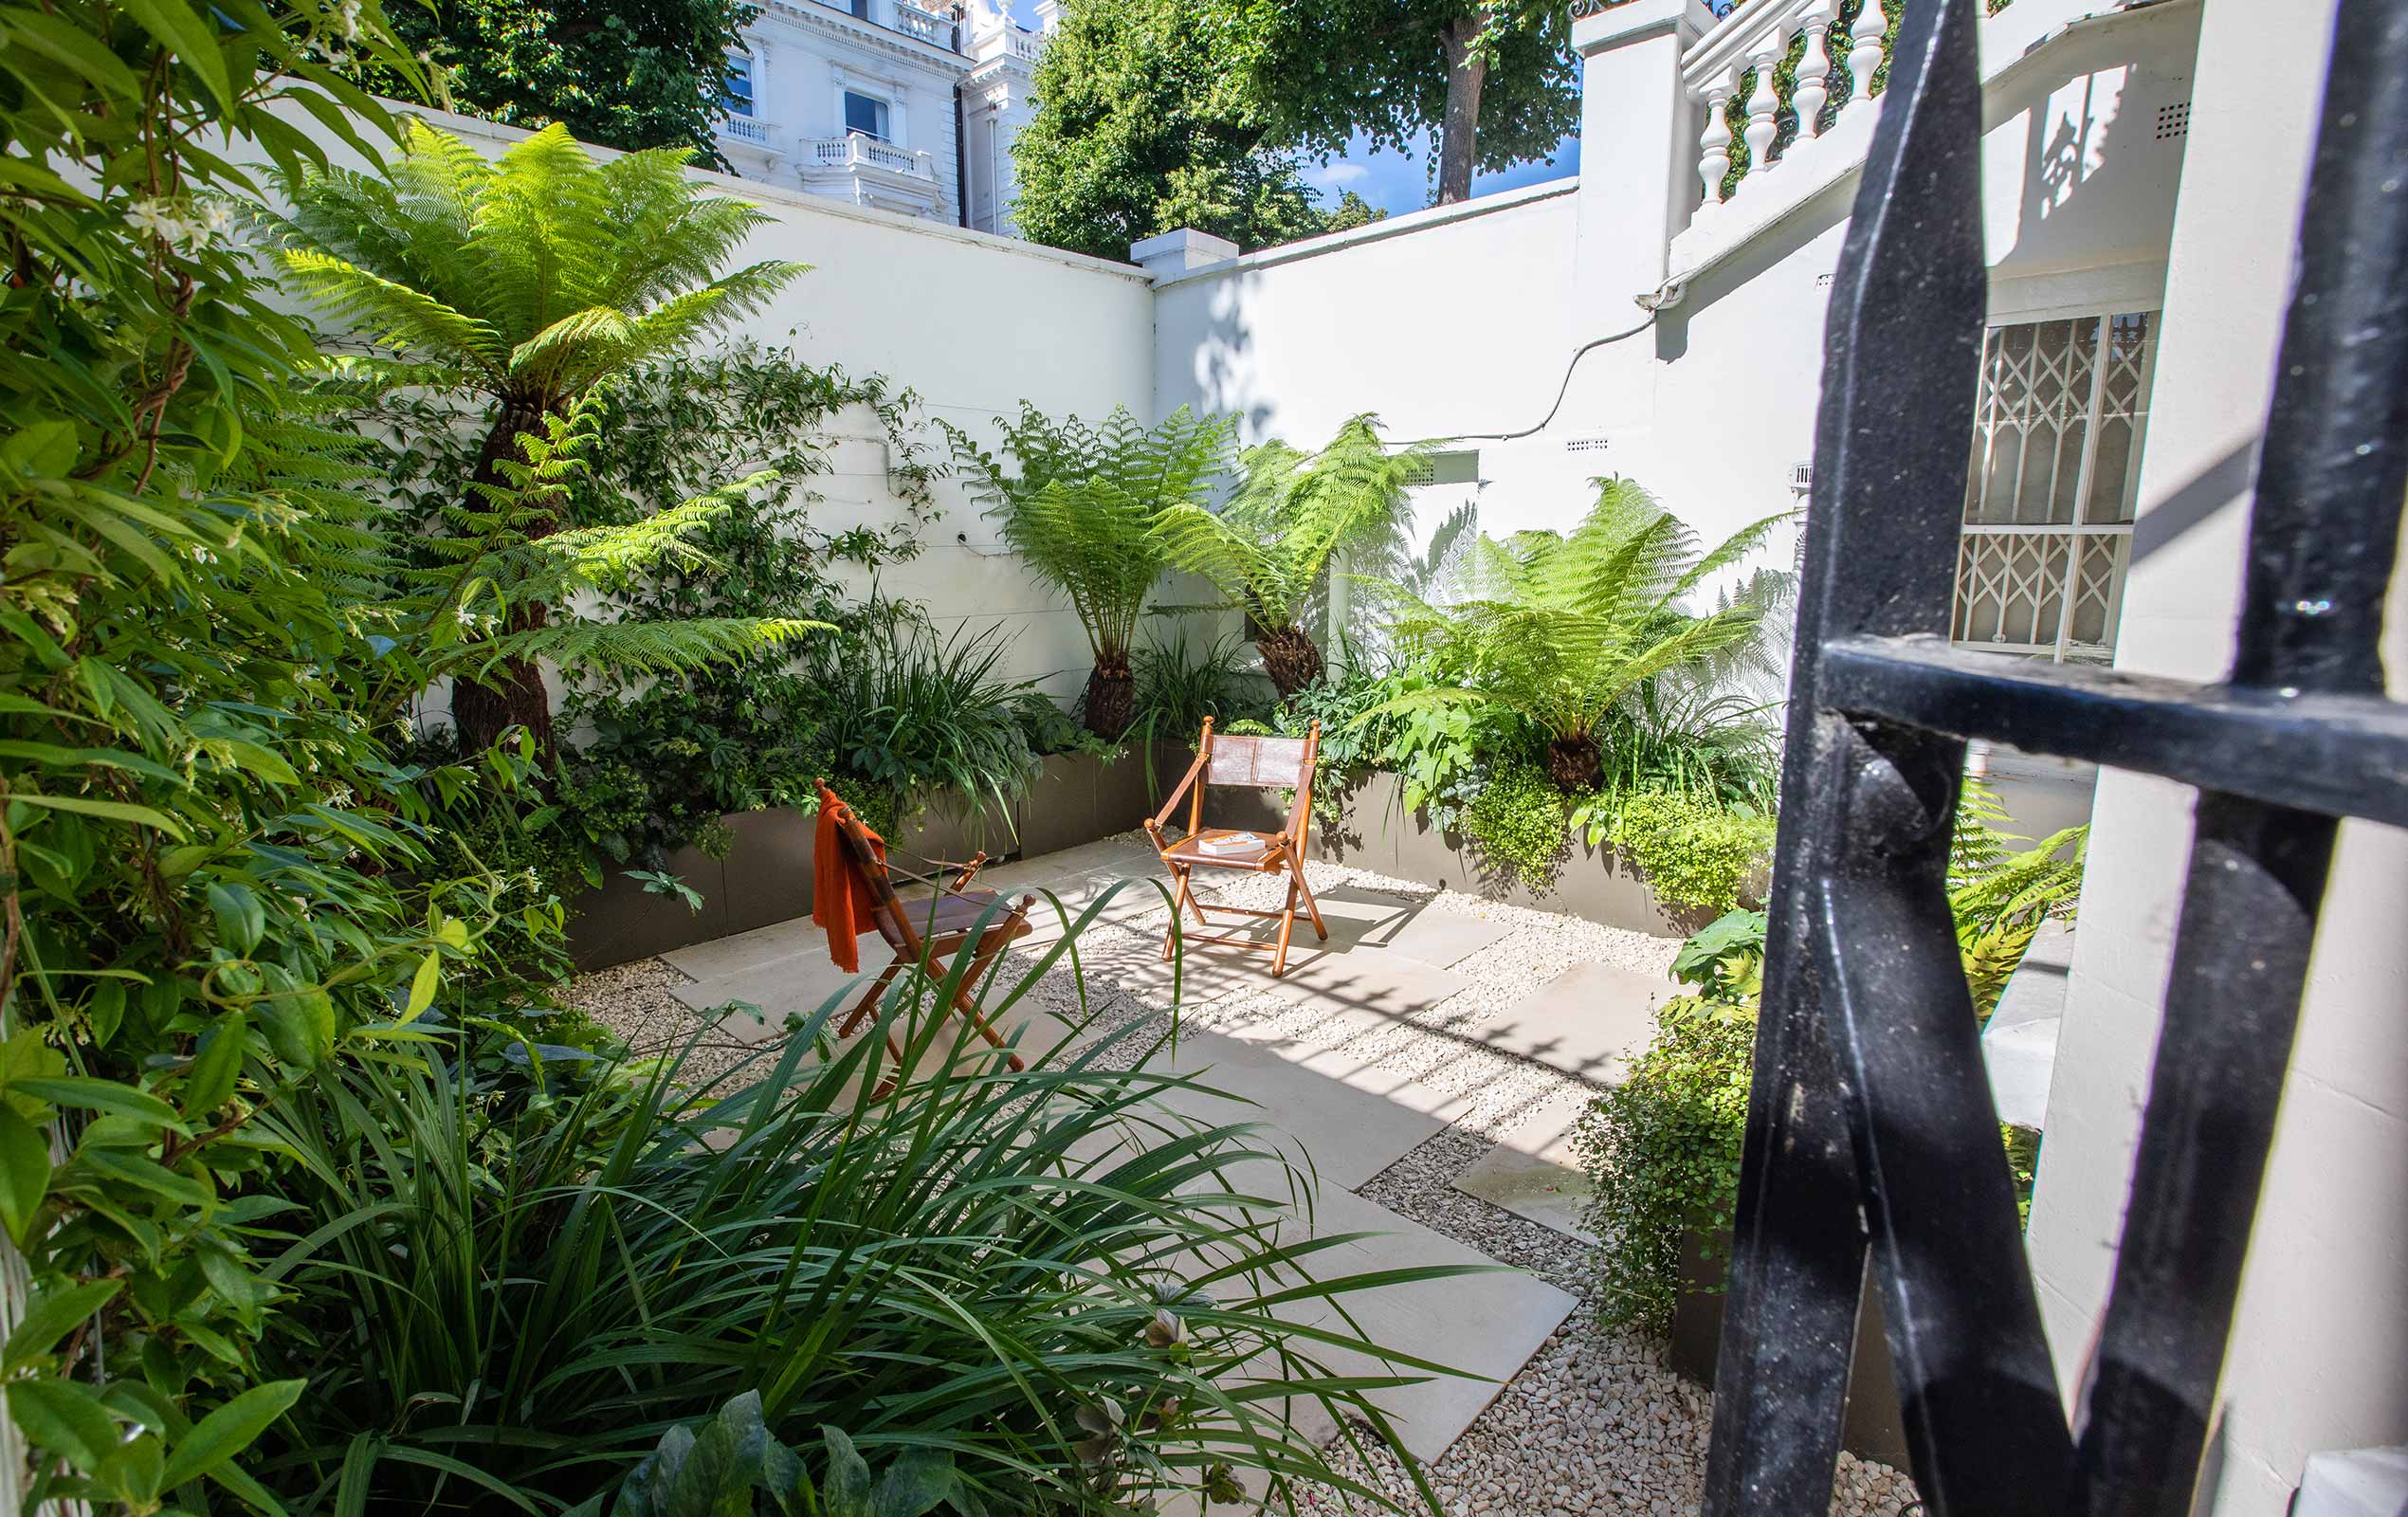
<point>743,64</point>
<point>2082,537</point>
<point>886,91</point>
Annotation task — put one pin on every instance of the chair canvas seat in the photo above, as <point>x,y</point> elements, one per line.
<point>1258,763</point>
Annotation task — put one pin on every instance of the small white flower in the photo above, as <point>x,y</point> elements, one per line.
<point>347,18</point>
<point>155,218</point>
<point>465,617</point>
<point>203,555</point>
<point>215,221</point>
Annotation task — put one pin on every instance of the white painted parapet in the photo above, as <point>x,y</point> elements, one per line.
<point>1174,253</point>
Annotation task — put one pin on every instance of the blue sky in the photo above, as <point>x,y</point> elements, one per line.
<point>1395,182</point>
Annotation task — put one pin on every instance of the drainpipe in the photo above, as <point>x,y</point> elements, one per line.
<point>961,163</point>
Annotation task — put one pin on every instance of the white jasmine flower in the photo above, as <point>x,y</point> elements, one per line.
<point>347,18</point>
<point>155,218</point>
<point>467,618</point>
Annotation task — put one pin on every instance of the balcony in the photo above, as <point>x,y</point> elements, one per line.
<point>936,31</point>
<point>868,172</point>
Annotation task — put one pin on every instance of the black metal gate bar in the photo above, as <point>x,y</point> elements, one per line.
<point>1870,1112</point>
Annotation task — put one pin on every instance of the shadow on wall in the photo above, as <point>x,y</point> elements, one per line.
<point>1223,375</point>
<point>2103,156</point>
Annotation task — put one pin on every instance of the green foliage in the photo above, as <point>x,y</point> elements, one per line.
<point>1725,958</point>
<point>2002,898</point>
<point>615,73</point>
<point>214,879</point>
<point>1378,69</point>
<point>1569,630</point>
<point>928,718</point>
<point>523,283</point>
<point>1149,118</point>
<point>1517,821</point>
<point>1292,510</point>
<point>527,278</point>
<point>735,1462</point>
<point>529,1279</point>
<point>1693,853</point>
<point>1181,680</point>
<point>1082,513</point>
<point>1662,1150</point>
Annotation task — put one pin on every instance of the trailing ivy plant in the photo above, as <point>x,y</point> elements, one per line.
<point>1082,509</point>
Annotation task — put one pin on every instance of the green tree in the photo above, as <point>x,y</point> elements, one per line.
<point>1080,513</point>
<point>523,281</point>
<point>1565,630</point>
<point>1149,118</point>
<point>1494,80</point>
<point>1270,548</point>
<point>621,74</point>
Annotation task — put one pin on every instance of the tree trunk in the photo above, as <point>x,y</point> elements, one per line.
<point>1459,140</point>
<point>1110,704</point>
<point>1290,659</point>
<point>1572,763</point>
<point>511,694</point>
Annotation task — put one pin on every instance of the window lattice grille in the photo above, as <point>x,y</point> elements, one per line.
<point>2049,496</point>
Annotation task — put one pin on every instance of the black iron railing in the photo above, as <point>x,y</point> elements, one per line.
<point>1872,1125</point>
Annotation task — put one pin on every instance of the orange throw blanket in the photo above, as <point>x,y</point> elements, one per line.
<point>841,901</point>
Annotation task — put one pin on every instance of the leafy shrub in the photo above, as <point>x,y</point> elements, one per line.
<point>1662,1149</point>
<point>1663,1152</point>
<point>1516,822</point>
<point>930,720</point>
<point>1180,682</point>
<point>503,1292</point>
<point>735,1462</point>
<point>1693,853</point>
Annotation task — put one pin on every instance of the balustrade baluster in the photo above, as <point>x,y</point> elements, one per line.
<point>1814,64</point>
<point>1863,50</point>
<point>1762,105</point>
<point>1714,144</point>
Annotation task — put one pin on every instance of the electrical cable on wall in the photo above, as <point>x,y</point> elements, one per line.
<point>1562,390</point>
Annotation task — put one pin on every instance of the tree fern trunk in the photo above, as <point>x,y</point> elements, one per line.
<point>1572,763</point>
<point>1111,703</point>
<point>1290,658</point>
<point>511,694</point>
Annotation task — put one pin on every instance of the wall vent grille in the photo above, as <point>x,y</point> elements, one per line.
<point>2173,121</point>
<point>1584,444</point>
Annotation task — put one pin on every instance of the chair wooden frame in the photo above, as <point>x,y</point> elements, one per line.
<point>927,936</point>
<point>1260,763</point>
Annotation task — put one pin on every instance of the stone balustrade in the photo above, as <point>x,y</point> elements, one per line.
<point>1748,48</point>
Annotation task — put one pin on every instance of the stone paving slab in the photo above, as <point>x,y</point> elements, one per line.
<point>1589,1022</point>
<point>722,956</point>
<point>1488,1325</point>
<point>1338,1131</point>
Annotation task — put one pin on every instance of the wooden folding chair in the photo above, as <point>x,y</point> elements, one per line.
<point>1259,763</point>
<point>928,935</point>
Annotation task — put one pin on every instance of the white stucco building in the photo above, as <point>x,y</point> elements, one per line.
<point>903,107</point>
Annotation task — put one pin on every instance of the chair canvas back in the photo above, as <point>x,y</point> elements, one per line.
<point>1258,763</point>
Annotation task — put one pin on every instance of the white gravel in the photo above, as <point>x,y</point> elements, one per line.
<point>1595,1423</point>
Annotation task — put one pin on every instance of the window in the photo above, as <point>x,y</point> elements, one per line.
<point>866,114</point>
<point>2056,452</point>
<point>738,92</point>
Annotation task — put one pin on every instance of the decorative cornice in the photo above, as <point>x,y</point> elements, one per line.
<point>868,34</point>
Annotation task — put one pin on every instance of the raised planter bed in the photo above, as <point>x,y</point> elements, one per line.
<point>766,876</point>
<point>1873,1430</point>
<point>1377,833</point>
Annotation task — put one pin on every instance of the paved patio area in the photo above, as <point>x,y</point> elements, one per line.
<point>1437,1046</point>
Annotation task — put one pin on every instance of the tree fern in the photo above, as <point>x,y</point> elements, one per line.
<point>1082,512</point>
<point>526,280</point>
<point>1568,630</point>
<point>1292,512</point>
